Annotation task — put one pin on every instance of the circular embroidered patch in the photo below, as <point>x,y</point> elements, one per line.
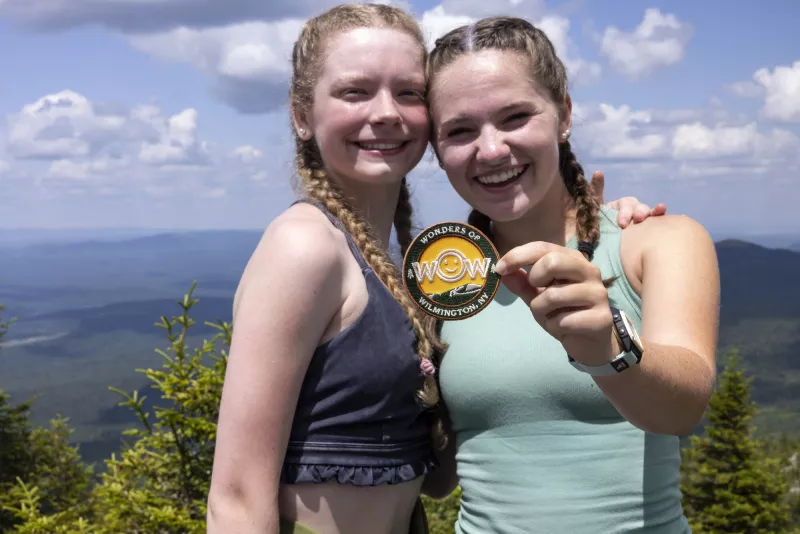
<point>449,271</point>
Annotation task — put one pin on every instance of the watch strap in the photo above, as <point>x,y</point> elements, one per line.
<point>631,354</point>
<point>621,363</point>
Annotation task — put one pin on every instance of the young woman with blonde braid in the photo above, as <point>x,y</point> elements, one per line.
<point>557,428</point>
<point>325,423</point>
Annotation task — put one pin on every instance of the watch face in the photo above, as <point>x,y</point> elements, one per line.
<point>631,331</point>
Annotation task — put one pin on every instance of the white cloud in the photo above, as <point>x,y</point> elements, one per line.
<point>780,89</point>
<point>247,153</point>
<point>436,23</point>
<point>616,132</point>
<point>746,89</point>
<point>66,126</point>
<point>152,15</point>
<point>216,192</point>
<point>680,143</point>
<point>63,124</point>
<point>66,143</point>
<point>658,41</point>
<point>72,170</point>
<point>450,15</point>
<point>177,143</point>
<point>699,141</point>
<point>250,62</point>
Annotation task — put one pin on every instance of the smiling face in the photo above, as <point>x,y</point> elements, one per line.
<point>368,116</point>
<point>497,133</point>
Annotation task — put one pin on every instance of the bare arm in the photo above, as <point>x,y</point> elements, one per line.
<point>291,289</point>
<point>679,284</point>
<point>671,262</point>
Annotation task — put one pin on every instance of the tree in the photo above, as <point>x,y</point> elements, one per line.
<point>39,457</point>
<point>442,513</point>
<point>160,482</point>
<point>728,483</point>
<point>785,449</point>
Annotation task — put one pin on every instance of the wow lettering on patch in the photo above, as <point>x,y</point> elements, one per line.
<point>449,271</point>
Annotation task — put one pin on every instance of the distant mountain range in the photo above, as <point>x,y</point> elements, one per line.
<point>86,310</point>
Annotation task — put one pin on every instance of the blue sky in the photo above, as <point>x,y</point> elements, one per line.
<point>171,113</point>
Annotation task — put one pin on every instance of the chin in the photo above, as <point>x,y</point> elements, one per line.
<point>505,211</point>
<point>381,174</point>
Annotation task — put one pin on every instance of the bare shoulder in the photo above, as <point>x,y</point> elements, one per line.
<point>300,244</point>
<point>670,239</point>
<point>654,230</point>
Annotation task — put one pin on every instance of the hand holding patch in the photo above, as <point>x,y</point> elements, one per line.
<point>566,295</point>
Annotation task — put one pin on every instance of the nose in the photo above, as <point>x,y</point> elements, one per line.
<point>384,109</point>
<point>492,148</point>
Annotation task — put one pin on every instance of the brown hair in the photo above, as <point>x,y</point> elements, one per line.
<point>307,58</point>
<point>521,37</point>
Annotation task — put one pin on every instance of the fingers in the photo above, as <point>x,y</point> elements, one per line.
<point>517,283</point>
<point>641,212</point>
<point>631,210</point>
<point>598,185</point>
<point>626,207</point>
<point>558,267</point>
<point>570,309</point>
<point>529,254</point>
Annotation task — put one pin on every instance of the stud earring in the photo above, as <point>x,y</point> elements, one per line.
<point>302,131</point>
<point>565,135</point>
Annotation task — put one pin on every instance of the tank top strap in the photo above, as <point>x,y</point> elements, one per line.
<point>338,224</point>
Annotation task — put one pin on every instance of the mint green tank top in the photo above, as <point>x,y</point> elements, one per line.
<point>539,447</point>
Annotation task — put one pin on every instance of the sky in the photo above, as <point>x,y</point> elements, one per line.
<point>173,113</point>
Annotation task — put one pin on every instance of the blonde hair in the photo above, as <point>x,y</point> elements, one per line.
<point>307,58</point>
<point>517,35</point>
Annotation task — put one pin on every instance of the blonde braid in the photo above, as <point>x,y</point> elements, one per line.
<point>307,58</point>
<point>320,188</point>
<point>430,327</point>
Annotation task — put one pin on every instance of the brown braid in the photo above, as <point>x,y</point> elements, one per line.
<point>521,37</point>
<point>307,56</point>
<point>588,229</point>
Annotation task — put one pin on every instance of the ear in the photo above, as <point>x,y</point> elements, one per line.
<point>565,120</point>
<point>301,124</point>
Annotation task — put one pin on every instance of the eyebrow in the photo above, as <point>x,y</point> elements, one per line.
<point>462,117</point>
<point>356,79</point>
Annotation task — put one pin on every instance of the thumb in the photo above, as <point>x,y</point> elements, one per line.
<point>598,184</point>
<point>517,283</point>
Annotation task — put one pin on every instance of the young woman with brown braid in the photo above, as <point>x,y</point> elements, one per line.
<point>324,424</point>
<point>557,427</point>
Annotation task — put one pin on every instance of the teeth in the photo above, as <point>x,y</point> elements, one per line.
<point>501,177</point>
<point>380,146</point>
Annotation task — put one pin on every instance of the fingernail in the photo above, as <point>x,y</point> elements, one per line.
<point>500,267</point>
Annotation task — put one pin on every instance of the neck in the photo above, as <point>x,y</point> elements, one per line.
<point>552,220</point>
<point>376,203</point>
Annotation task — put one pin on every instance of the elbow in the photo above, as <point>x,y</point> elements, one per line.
<point>228,511</point>
<point>222,511</point>
<point>677,422</point>
<point>678,426</point>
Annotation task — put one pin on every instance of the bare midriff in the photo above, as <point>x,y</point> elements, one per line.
<point>333,508</point>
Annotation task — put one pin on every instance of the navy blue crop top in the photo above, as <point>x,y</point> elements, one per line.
<point>357,418</point>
